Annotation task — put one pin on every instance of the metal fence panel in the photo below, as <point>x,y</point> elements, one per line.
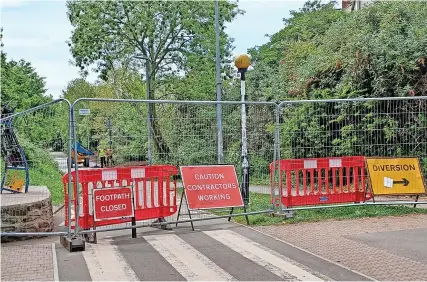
<point>382,127</point>
<point>34,141</point>
<point>182,133</point>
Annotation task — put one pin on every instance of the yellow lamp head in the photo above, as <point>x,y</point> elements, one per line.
<point>242,62</point>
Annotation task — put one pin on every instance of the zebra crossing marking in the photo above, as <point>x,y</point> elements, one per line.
<point>188,261</point>
<point>267,258</point>
<point>105,263</point>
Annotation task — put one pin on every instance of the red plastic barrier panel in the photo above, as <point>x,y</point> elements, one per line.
<point>308,182</point>
<point>152,189</point>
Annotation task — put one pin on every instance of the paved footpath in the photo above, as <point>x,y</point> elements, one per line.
<point>29,262</point>
<point>216,251</point>
<point>385,248</point>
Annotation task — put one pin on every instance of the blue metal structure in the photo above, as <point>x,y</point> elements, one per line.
<point>82,154</point>
<point>12,153</point>
<point>83,150</point>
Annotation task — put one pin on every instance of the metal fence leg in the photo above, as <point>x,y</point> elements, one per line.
<point>73,243</point>
<point>416,200</point>
<point>231,212</point>
<point>246,216</point>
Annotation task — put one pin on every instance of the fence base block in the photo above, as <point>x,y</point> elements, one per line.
<point>73,244</point>
<point>159,224</point>
<point>285,214</point>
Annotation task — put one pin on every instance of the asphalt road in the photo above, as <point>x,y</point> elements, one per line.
<point>222,251</point>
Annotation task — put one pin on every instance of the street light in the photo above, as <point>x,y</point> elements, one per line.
<point>242,63</point>
<point>218,85</point>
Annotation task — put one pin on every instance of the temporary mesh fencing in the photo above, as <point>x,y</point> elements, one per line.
<point>182,133</point>
<point>323,144</point>
<point>35,152</point>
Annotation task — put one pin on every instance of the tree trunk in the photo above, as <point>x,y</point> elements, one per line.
<point>159,142</point>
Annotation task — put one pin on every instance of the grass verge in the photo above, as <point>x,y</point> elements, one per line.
<point>48,174</point>
<point>260,202</point>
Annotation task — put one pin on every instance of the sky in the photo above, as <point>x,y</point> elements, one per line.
<point>37,31</point>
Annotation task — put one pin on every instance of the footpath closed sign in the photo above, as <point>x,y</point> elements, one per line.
<point>396,176</point>
<point>208,187</point>
<point>112,203</point>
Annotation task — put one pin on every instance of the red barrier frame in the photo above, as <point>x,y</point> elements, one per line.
<point>141,178</point>
<point>343,168</point>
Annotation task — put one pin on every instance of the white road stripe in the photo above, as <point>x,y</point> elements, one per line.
<point>189,262</point>
<point>267,258</point>
<point>105,263</point>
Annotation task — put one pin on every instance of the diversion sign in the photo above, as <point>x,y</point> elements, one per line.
<point>208,187</point>
<point>396,176</point>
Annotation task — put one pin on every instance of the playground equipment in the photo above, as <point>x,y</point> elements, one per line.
<point>82,155</point>
<point>13,156</point>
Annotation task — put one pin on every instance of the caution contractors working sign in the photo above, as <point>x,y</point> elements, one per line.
<point>214,186</point>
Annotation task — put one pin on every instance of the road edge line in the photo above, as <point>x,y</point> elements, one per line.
<point>55,264</point>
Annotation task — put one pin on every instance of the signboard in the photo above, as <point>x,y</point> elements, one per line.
<point>84,112</point>
<point>395,176</point>
<point>208,187</point>
<point>112,203</point>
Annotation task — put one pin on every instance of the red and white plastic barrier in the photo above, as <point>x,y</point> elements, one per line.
<point>316,181</point>
<point>153,194</point>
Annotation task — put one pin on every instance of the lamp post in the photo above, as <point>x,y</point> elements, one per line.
<point>147,86</point>
<point>218,85</point>
<point>242,63</point>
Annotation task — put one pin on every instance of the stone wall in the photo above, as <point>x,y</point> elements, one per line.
<point>29,212</point>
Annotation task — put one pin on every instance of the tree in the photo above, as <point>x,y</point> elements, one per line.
<point>324,53</point>
<point>21,85</point>
<point>164,37</point>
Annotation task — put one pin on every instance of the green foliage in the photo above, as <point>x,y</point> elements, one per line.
<point>321,53</point>
<point>44,171</point>
<point>163,37</point>
<point>165,33</point>
<point>325,53</point>
<point>21,89</point>
<point>21,86</point>
<point>378,51</point>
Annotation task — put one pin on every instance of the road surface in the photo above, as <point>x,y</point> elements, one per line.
<point>216,251</point>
